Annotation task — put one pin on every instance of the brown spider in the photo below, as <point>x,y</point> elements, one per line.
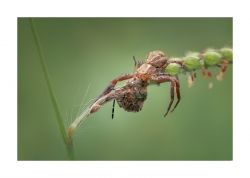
<point>132,96</point>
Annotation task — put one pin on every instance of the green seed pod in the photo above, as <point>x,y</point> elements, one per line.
<point>211,58</point>
<point>192,62</point>
<point>227,54</point>
<point>173,69</point>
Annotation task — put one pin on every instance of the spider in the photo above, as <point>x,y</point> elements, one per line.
<point>132,96</point>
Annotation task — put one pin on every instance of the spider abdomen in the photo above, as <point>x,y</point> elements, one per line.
<point>132,97</point>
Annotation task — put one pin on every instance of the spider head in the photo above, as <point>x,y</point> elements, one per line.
<point>145,71</point>
<point>156,59</point>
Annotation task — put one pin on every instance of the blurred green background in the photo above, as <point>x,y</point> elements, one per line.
<point>92,51</point>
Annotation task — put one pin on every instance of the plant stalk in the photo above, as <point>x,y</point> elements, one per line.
<point>68,142</point>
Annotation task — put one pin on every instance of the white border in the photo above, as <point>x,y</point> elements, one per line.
<point>10,10</point>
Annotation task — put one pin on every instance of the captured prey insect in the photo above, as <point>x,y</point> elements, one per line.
<point>157,69</point>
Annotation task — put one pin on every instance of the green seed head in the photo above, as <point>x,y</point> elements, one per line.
<point>227,54</point>
<point>211,58</point>
<point>173,69</point>
<point>192,62</point>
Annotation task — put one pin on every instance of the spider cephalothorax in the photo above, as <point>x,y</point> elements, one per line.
<point>145,71</point>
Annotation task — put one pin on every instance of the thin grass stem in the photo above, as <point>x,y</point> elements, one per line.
<point>67,141</point>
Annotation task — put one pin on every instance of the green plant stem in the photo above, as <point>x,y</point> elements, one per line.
<point>68,142</point>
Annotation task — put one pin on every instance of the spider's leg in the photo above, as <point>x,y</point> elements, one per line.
<point>115,81</point>
<point>174,84</point>
<point>140,62</point>
<point>137,64</point>
<point>171,96</point>
<point>112,84</point>
<point>113,109</point>
<point>177,78</point>
<point>177,87</point>
<point>111,88</point>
